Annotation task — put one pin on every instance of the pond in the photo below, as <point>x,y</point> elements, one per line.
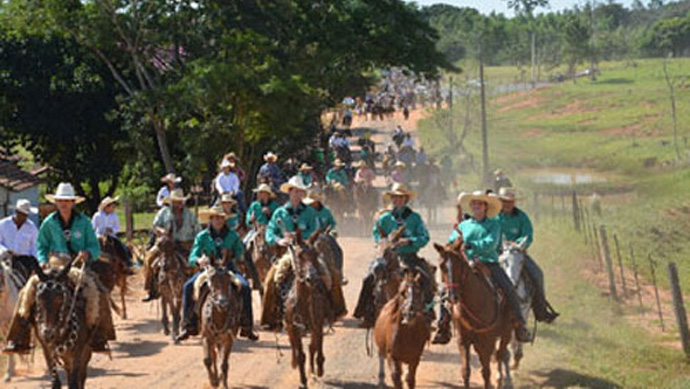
<point>565,177</point>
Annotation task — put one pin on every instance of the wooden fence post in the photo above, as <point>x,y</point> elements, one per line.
<point>620,264</point>
<point>129,223</point>
<point>597,247</point>
<point>679,307</point>
<point>576,212</point>
<point>637,279</point>
<point>585,223</point>
<point>607,257</point>
<point>652,267</point>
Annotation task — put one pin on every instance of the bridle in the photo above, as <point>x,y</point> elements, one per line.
<point>65,330</point>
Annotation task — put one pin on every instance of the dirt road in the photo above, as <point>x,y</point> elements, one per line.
<point>144,358</point>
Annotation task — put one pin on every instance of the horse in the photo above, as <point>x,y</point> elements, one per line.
<point>479,315</point>
<point>171,279</point>
<point>11,282</point>
<point>221,311</point>
<point>366,200</point>
<point>62,330</point>
<point>513,261</point>
<point>114,253</point>
<point>307,307</point>
<point>261,254</point>
<point>401,332</point>
<point>338,198</point>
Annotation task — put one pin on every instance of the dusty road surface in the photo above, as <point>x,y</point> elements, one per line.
<point>144,358</point>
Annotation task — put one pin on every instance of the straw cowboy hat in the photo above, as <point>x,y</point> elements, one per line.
<point>493,203</point>
<point>264,188</point>
<point>176,195</point>
<point>338,163</point>
<point>458,201</point>
<point>107,201</point>
<point>295,182</point>
<point>400,164</point>
<point>399,189</point>
<point>507,194</point>
<point>65,191</point>
<point>231,155</point>
<point>498,172</point>
<point>270,157</point>
<point>24,206</point>
<point>171,177</point>
<point>226,163</point>
<point>205,215</point>
<point>305,167</point>
<point>315,196</point>
<point>227,198</point>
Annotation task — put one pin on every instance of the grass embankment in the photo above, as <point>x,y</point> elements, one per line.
<point>620,127</point>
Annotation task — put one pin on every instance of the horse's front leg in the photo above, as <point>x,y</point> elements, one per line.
<point>164,314</point>
<point>10,369</point>
<point>123,291</point>
<point>320,359</point>
<point>396,372</point>
<point>52,368</point>
<point>485,350</point>
<point>210,361</point>
<point>411,374</point>
<point>464,348</point>
<point>503,359</point>
<point>227,348</point>
<point>382,371</point>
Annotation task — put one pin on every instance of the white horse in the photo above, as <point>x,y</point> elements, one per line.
<point>513,260</point>
<point>9,293</point>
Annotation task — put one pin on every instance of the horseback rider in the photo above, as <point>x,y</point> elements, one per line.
<point>516,229</point>
<point>229,204</point>
<point>337,175</point>
<point>236,168</point>
<point>106,224</point>
<point>501,181</point>
<point>171,181</point>
<point>64,233</point>
<point>18,238</point>
<point>280,234</point>
<point>228,182</point>
<point>364,175</point>
<point>305,173</point>
<point>415,237</point>
<point>326,221</point>
<point>271,171</point>
<point>179,220</point>
<point>398,175</point>
<point>220,243</point>
<point>481,235</point>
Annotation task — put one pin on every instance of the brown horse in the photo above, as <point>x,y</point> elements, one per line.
<point>113,253</point>
<point>388,277</point>
<point>401,332</point>
<point>261,254</point>
<point>61,327</point>
<point>171,278</point>
<point>221,311</point>
<point>478,314</point>
<point>11,282</point>
<point>366,201</point>
<point>306,308</point>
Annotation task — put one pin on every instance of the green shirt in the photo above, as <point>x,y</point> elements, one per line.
<point>305,217</point>
<point>232,222</point>
<point>255,210</point>
<point>325,218</point>
<point>206,244</point>
<point>51,238</point>
<point>516,227</point>
<point>337,175</point>
<point>306,178</point>
<point>482,238</point>
<point>187,232</point>
<point>415,230</point>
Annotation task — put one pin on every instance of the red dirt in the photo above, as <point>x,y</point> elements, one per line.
<point>532,132</point>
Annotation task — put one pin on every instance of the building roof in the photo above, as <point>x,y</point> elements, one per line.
<point>14,178</point>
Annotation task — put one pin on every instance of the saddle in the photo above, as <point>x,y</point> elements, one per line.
<point>484,272</point>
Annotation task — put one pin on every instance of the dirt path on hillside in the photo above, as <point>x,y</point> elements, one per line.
<point>144,358</point>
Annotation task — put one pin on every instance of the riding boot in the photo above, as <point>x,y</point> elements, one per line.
<point>190,327</point>
<point>18,337</point>
<point>501,279</point>
<point>151,286</point>
<point>541,308</point>
<point>248,332</point>
<point>251,269</point>
<point>364,302</point>
<point>443,334</point>
<point>99,342</point>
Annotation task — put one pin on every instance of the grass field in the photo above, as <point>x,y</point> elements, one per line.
<point>618,127</point>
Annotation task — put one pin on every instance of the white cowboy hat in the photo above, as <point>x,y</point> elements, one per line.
<point>205,215</point>
<point>507,194</point>
<point>231,155</point>
<point>171,177</point>
<point>294,183</point>
<point>305,167</point>
<point>226,163</point>
<point>64,191</point>
<point>399,189</point>
<point>24,206</point>
<point>315,196</point>
<point>227,198</point>
<point>176,195</point>
<point>107,201</point>
<point>264,188</point>
<point>270,157</point>
<point>493,203</point>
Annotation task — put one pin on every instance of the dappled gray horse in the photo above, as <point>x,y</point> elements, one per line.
<point>512,260</point>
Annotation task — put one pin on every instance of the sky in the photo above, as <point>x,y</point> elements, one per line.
<point>501,6</point>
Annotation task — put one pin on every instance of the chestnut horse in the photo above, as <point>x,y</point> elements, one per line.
<point>401,332</point>
<point>221,311</point>
<point>478,314</point>
<point>113,253</point>
<point>261,254</point>
<point>171,278</point>
<point>307,307</point>
<point>11,282</point>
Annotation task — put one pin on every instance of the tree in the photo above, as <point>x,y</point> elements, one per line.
<point>668,36</point>
<point>576,39</point>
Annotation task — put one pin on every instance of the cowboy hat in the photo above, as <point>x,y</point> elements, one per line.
<point>338,163</point>
<point>498,172</point>
<point>226,163</point>
<point>357,163</point>
<point>507,194</point>
<point>264,188</point>
<point>205,215</point>
<point>400,164</point>
<point>231,155</point>
<point>399,189</point>
<point>305,167</point>
<point>64,191</point>
<point>176,195</point>
<point>458,201</point>
<point>315,196</point>
<point>171,177</point>
<point>493,204</point>
<point>107,201</point>
<point>270,157</point>
<point>227,198</point>
<point>24,206</point>
<point>294,183</point>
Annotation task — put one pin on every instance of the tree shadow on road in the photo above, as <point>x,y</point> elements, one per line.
<point>138,349</point>
<point>562,378</point>
<point>350,384</point>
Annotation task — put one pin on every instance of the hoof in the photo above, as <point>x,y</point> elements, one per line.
<point>7,378</point>
<point>166,331</point>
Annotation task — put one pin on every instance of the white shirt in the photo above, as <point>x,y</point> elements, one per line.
<point>227,183</point>
<point>163,194</point>
<point>101,221</point>
<point>21,241</point>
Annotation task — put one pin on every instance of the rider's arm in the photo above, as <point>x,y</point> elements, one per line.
<point>526,231</point>
<point>116,224</point>
<point>273,233</point>
<point>219,186</point>
<point>251,211</point>
<point>197,251</point>
<point>420,235</point>
<point>43,242</point>
<point>238,249</point>
<point>91,243</point>
<point>161,196</point>
<point>3,242</point>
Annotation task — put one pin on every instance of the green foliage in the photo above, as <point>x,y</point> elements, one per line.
<point>668,36</point>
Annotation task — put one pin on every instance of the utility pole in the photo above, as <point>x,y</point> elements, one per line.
<point>534,59</point>
<point>450,105</point>
<point>485,142</point>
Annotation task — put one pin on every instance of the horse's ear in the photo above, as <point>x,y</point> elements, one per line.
<point>41,275</point>
<point>65,270</point>
<point>382,233</point>
<point>455,246</point>
<point>441,250</point>
<point>399,232</point>
<point>522,244</point>
<point>314,236</point>
<point>504,242</point>
<point>298,236</point>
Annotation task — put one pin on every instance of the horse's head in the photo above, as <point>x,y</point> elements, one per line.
<point>305,256</point>
<point>52,301</point>
<point>411,291</point>
<point>453,264</point>
<point>387,255</point>
<point>512,259</point>
<point>165,248</point>
<point>218,281</point>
